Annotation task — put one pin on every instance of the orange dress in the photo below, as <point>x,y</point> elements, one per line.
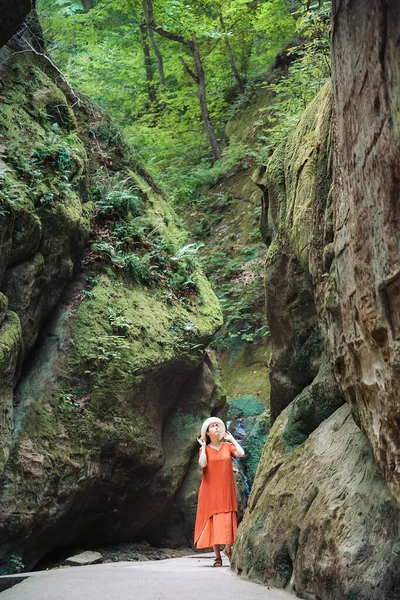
<point>216,518</point>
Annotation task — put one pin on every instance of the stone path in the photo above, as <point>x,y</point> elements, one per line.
<point>186,578</point>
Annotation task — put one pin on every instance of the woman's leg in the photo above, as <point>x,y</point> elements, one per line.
<point>228,550</point>
<point>218,559</point>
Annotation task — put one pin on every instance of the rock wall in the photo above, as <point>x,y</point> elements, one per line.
<point>332,270</point>
<point>299,172</point>
<point>359,301</point>
<point>104,378</point>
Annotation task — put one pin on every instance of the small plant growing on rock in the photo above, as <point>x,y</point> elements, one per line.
<point>119,323</point>
<point>8,194</point>
<point>14,564</point>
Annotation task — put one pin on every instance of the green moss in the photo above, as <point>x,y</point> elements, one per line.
<point>10,336</point>
<point>251,541</point>
<point>245,406</point>
<point>43,162</point>
<point>260,564</point>
<point>207,315</point>
<point>302,164</point>
<point>3,306</point>
<point>274,251</point>
<point>39,423</point>
<point>276,182</point>
<point>248,121</point>
<point>246,373</point>
<point>315,404</point>
<point>155,333</point>
<point>161,215</point>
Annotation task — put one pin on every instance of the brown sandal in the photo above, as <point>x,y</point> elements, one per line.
<point>217,562</point>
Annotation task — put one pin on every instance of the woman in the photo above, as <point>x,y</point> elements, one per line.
<point>216,519</point>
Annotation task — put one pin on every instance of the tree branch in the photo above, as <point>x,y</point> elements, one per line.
<point>175,37</point>
<point>189,70</point>
<point>168,34</point>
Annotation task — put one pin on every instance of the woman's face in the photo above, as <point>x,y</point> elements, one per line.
<point>214,429</point>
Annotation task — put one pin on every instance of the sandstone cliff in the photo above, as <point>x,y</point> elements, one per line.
<point>322,528</point>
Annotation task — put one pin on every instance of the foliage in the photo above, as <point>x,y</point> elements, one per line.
<point>119,203</point>
<point>13,565</point>
<point>8,194</point>
<point>306,75</point>
<point>101,52</point>
<point>127,237</point>
<point>232,259</point>
<point>105,349</point>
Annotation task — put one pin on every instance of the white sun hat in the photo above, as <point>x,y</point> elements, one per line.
<point>207,424</point>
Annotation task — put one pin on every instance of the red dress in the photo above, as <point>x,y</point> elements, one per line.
<point>216,519</point>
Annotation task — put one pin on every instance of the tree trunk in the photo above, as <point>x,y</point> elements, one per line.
<point>147,63</point>
<point>202,97</point>
<point>87,5</point>
<point>198,76</point>
<point>147,10</point>
<point>235,72</point>
<point>159,58</point>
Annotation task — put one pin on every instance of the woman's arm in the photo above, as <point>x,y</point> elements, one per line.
<point>239,450</point>
<point>203,455</point>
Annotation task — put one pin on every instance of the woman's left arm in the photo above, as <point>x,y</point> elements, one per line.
<point>239,450</point>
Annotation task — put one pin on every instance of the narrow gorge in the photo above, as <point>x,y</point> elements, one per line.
<point>107,320</point>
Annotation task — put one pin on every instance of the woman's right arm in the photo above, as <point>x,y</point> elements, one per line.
<point>203,455</point>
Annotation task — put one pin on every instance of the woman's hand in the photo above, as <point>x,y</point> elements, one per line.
<point>238,448</point>
<point>203,453</point>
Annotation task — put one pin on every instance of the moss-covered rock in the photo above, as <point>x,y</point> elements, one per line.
<point>3,306</point>
<point>10,347</point>
<point>245,373</point>
<point>108,407</point>
<point>43,161</point>
<point>298,174</point>
<point>114,420</point>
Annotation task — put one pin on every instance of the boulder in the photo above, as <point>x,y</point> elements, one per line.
<point>84,558</point>
<point>105,379</point>
<point>321,521</point>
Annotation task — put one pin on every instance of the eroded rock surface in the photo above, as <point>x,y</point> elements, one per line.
<point>321,521</point>
<point>298,173</point>
<point>360,301</point>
